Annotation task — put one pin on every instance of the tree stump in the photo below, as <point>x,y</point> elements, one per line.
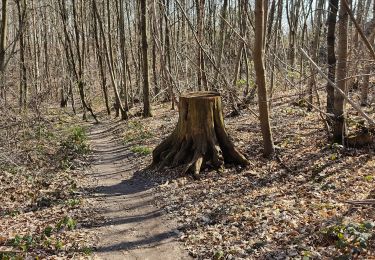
<point>199,138</point>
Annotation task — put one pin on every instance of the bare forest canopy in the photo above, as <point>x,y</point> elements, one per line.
<point>89,53</point>
<point>120,54</point>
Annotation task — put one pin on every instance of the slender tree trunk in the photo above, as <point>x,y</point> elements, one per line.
<point>123,54</point>
<point>202,78</point>
<point>146,86</point>
<point>76,64</point>
<point>109,58</point>
<point>3,34</point>
<point>370,34</point>
<point>21,7</point>
<point>222,38</point>
<point>101,67</point>
<point>167,55</point>
<point>342,46</point>
<point>315,47</point>
<point>258,53</point>
<point>331,54</point>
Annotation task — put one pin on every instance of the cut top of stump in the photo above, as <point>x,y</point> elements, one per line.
<point>201,95</point>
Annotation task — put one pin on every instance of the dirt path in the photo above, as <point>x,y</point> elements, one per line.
<point>132,227</point>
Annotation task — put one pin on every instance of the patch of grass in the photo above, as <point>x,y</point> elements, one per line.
<point>87,250</point>
<point>10,168</point>
<point>66,164</point>
<point>73,202</point>
<point>77,141</point>
<point>43,132</point>
<point>10,256</point>
<point>141,150</point>
<point>59,245</point>
<point>136,132</point>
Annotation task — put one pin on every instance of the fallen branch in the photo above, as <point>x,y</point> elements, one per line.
<point>361,202</point>
<point>354,105</point>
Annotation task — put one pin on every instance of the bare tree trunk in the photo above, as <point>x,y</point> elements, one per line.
<point>101,66</point>
<point>331,56</point>
<point>222,38</point>
<point>123,54</point>
<point>77,70</point>
<point>109,58</point>
<point>202,78</point>
<point>292,13</point>
<point>146,86</point>
<point>370,34</point>
<point>342,46</point>
<point>269,148</point>
<point>315,47</point>
<point>167,53</point>
<point>3,33</point>
<point>21,7</point>
<point>356,49</point>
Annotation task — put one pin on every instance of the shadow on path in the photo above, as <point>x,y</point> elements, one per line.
<point>129,222</point>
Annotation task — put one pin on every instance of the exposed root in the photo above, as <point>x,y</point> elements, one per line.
<point>200,138</point>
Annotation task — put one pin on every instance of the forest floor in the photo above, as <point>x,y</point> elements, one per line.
<point>79,190</point>
<point>43,163</point>
<point>292,206</point>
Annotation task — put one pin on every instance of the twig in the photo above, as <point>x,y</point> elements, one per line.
<point>361,202</point>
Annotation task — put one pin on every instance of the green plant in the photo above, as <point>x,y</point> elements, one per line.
<point>141,150</point>
<point>240,82</point>
<point>218,255</point>
<point>65,163</point>
<point>59,245</point>
<point>136,132</point>
<point>352,237</point>
<point>43,132</point>
<point>48,231</point>
<point>76,141</point>
<point>369,178</point>
<point>87,250</point>
<point>23,242</point>
<point>293,74</point>
<point>67,222</point>
<point>72,202</point>
<point>11,213</point>
<point>10,256</point>
<point>333,156</point>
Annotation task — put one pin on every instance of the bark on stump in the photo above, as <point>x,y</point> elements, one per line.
<point>199,138</point>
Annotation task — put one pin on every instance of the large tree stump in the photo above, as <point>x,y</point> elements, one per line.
<point>199,138</point>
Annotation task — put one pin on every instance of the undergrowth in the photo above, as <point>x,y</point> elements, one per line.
<point>41,205</point>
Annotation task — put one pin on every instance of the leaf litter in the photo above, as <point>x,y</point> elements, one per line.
<point>42,206</point>
<point>281,208</point>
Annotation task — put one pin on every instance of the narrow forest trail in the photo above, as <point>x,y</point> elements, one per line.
<point>131,227</point>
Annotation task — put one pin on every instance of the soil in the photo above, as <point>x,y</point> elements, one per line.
<point>129,226</point>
